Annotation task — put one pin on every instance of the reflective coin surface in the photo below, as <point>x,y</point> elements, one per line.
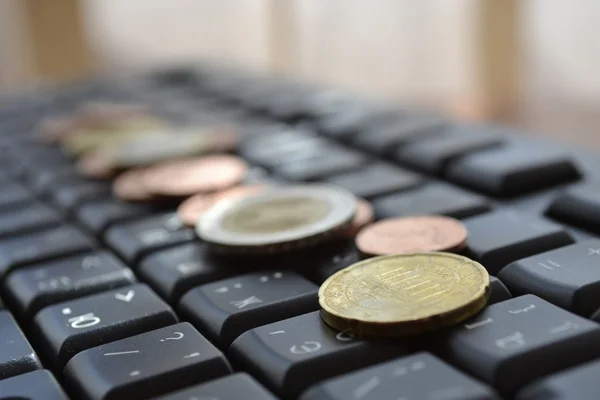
<point>278,219</point>
<point>404,294</point>
<point>186,177</point>
<point>412,235</point>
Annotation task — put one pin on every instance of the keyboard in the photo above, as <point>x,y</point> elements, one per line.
<point>104,299</point>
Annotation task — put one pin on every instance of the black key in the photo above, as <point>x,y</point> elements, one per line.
<point>41,285</point>
<point>498,291</point>
<point>290,355</point>
<point>36,385</point>
<point>326,163</point>
<point>28,218</point>
<point>513,170</point>
<point>324,261</point>
<point>501,237</point>
<point>514,342</point>
<point>134,239</point>
<point>174,271</point>
<point>13,194</point>
<point>350,119</point>
<point>376,180</point>
<point>295,151</point>
<point>146,365</point>
<point>568,277</point>
<point>40,246</point>
<point>579,205</point>
<point>98,215</point>
<point>432,154</point>
<point>225,309</point>
<point>432,198</point>
<point>70,327</point>
<point>577,383</point>
<point>16,355</point>
<point>386,137</point>
<point>227,388</point>
<point>67,196</point>
<point>419,376</point>
<point>43,181</point>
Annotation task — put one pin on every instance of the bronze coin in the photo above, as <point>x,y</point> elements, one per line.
<point>364,216</point>
<point>191,209</point>
<point>412,235</point>
<point>129,186</point>
<point>95,166</point>
<point>53,129</point>
<point>188,176</point>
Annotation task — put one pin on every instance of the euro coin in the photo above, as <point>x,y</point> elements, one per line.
<point>279,219</point>
<point>404,294</point>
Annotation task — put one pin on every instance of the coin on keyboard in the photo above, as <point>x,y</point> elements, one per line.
<point>278,219</point>
<point>412,235</point>
<point>194,207</point>
<point>128,186</point>
<point>403,294</point>
<point>364,216</point>
<point>185,177</point>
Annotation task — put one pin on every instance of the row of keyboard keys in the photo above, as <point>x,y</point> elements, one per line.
<point>96,216</point>
<point>578,205</point>
<point>14,194</point>
<point>16,354</point>
<point>27,218</point>
<point>35,385</point>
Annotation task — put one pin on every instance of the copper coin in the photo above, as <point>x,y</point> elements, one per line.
<point>185,177</point>
<point>412,235</point>
<point>53,129</point>
<point>190,211</point>
<point>364,216</point>
<point>95,166</point>
<point>128,186</point>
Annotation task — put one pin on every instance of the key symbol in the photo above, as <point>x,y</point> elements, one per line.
<point>593,252</point>
<point>344,336</point>
<point>84,321</point>
<point>125,297</point>
<point>246,302</point>
<point>308,347</point>
<point>176,336</point>
<point>90,262</point>
<point>523,310</point>
<point>513,341</point>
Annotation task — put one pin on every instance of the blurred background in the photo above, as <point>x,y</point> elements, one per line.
<point>531,63</point>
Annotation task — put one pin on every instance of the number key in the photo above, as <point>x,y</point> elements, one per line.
<point>70,327</point>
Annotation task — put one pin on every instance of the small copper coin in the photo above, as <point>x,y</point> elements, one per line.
<point>190,211</point>
<point>412,235</point>
<point>128,186</point>
<point>188,176</point>
<point>364,216</point>
<point>53,129</point>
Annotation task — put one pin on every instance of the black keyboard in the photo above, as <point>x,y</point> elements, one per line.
<point>102,299</point>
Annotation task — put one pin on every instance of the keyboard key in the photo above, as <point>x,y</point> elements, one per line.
<point>40,246</point>
<point>227,388</point>
<point>501,237</point>
<point>351,118</point>
<point>432,154</point>
<point>146,365</point>
<point>14,194</point>
<point>577,383</point>
<point>174,271</point>
<point>290,355</point>
<point>376,180</point>
<point>30,217</point>
<point>36,385</point>
<point>325,260</point>
<point>41,285</point>
<point>134,239</point>
<point>513,170</point>
<point>295,151</point>
<point>498,291</point>
<point>386,137</point>
<point>325,163</point>
<point>568,277</point>
<point>579,205</point>
<point>512,343</point>
<point>67,196</point>
<point>45,179</point>
<point>419,376</point>
<point>98,215</point>
<point>225,309</point>
<point>16,355</point>
<point>70,327</point>
<point>432,198</point>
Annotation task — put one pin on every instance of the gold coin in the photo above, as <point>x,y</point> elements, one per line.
<point>403,294</point>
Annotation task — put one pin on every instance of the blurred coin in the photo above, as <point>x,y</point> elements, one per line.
<point>128,186</point>
<point>193,208</point>
<point>93,166</point>
<point>98,114</point>
<point>364,216</point>
<point>278,219</point>
<point>404,294</point>
<point>185,177</point>
<point>168,144</point>
<point>52,129</point>
<point>412,235</point>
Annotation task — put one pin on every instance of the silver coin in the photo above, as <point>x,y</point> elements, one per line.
<point>278,219</point>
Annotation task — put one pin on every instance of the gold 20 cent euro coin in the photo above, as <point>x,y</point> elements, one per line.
<point>404,294</point>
